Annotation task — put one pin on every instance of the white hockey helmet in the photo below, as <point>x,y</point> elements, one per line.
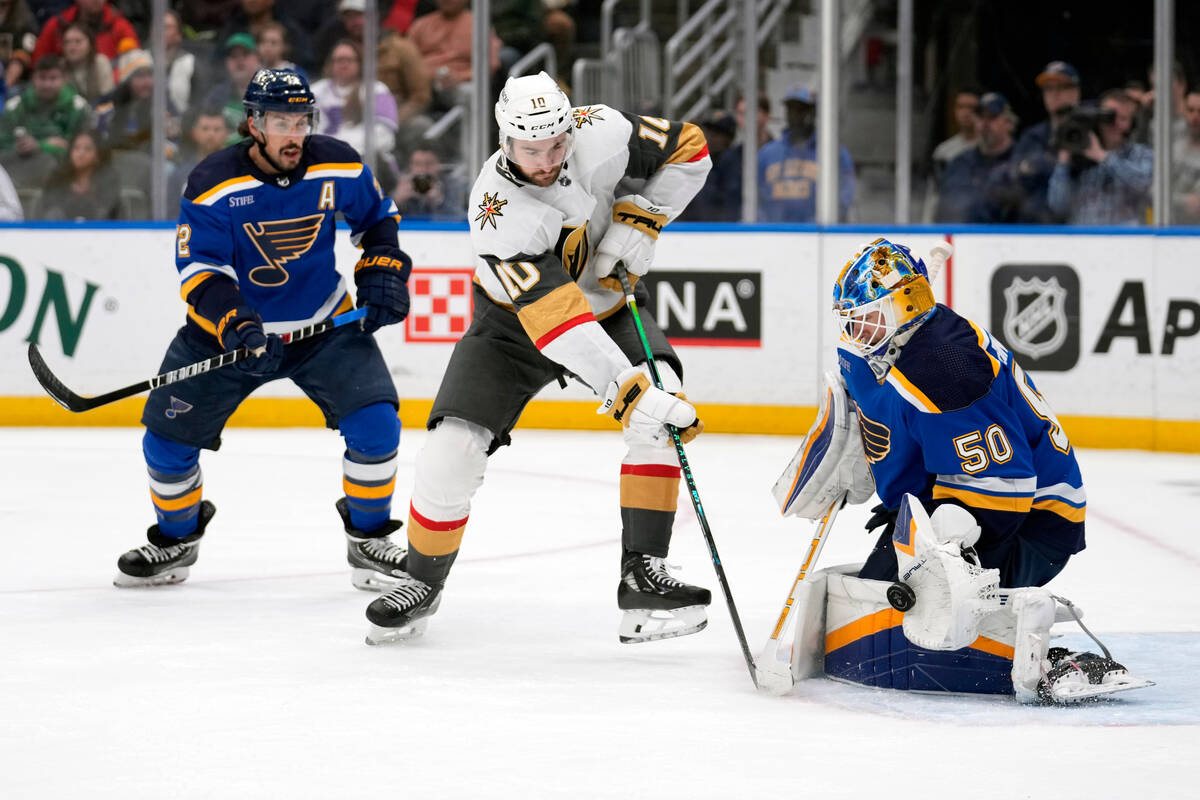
<point>532,107</point>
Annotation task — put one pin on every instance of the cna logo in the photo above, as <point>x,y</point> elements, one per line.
<point>714,309</point>
<point>440,306</point>
<point>1035,313</point>
<point>52,308</point>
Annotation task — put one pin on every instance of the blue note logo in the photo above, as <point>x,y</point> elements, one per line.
<point>281,241</point>
<point>176,408</point>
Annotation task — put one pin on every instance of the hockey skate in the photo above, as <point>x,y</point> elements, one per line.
<point>403,613</point>
<point>656,605</point>
<point>377,563</point>
<point>1078,677</point>
<point>165,560</point>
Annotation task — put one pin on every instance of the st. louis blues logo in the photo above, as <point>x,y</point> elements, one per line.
<point>489,209</point>
<point>876,437</point>
<point>281,241</point>
<point>1035,316</point>
<point>584,116</point>
<point>176,408</point>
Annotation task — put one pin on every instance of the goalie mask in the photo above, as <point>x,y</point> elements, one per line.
<point>881,292</point>
<point>534,118</point>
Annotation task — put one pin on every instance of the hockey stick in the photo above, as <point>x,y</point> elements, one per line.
<point>687,475</point>
<point>775,674</point>
<point>75,402</point>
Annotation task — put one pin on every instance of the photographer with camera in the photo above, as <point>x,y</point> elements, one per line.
<point>1101,178</point>
<point>1034,153</point>
<point>426,191</point>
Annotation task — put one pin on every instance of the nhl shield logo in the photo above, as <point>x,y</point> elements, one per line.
<point>1035,317</point>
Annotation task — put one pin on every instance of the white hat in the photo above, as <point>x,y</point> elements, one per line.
<point>352,5</point>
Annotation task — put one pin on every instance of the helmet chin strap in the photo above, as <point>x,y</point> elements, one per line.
<point>261,144</point>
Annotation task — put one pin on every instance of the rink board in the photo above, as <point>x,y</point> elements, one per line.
<point>1114,344</point>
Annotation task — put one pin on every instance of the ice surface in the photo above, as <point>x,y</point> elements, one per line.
<point>252,679</point>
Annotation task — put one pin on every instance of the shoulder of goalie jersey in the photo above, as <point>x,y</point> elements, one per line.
<point>945,366</point>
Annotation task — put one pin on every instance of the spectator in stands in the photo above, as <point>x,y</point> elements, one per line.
<point>10,200</point>
<point>403,71</point>
<point>205,17</point>
<point>349,23</point>
<point>966,134</point>
<point>44,116</point>
<point>981,185</point>
<point>764,119</point>
<point>113,33</point>
<point>1109,182</point>
<point>18,37</point>
<point>1143,125</point>
<point>426,190</point>
<point>1185,166</point>
<point>273,48</point>
<point>444,39</point>
<point>720,199</point>
<point>341,95</point>
<point>311,15</point>
<point>1035,155</point>
<point>183,79</point>
<point>787,167</point>
<point>126,120</point>
<point>524,24</point>
<point>88,72</point>
<point>84,187</point>
<point>252,16</point>
<point>241,62</point>
<point>206,133</point>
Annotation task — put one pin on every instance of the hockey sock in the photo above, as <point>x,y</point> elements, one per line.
<point>649,496</point>
<point>432,546</point>
<point>176,484</point>
<point>372,435</point>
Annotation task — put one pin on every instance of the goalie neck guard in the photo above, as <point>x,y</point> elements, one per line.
<point>881,292</point>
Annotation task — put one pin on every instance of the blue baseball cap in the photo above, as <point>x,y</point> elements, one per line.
<point>1058,72</point>
<point>994,103</point>
<point>800,94</point>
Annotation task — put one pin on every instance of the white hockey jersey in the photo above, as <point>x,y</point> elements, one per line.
<point>535,243</point>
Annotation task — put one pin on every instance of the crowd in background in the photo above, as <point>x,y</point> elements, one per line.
<point>76,80</point>
<point>76,83</point>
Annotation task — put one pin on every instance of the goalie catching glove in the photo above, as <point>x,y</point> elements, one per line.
<point>829,462</point>
<point>382,278</point>
<point>629,240</point>
<point>631,398</point>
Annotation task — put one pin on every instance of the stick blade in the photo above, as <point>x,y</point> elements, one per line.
<point>53,386</point>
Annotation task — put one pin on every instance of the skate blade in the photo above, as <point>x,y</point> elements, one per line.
<point>368,580</point>
<point>171,576</point>
<point>380,635</point>
<point>646,625</point>
<point>1077,693</point>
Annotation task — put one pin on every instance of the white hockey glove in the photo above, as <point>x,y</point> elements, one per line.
<point>829,462</point>
<point>630,398</point>
<point>629,240</point>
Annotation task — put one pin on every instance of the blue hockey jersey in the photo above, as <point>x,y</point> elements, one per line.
<point>957,420</point>
<point>273,236</point>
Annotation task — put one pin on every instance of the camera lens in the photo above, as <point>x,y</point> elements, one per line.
<point>422,183</point>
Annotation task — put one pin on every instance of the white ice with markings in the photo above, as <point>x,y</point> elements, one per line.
<point>252,678</point>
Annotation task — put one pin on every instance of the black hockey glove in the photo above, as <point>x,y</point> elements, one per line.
<point>382,278</point>
<point>241,327</point>
<point>881,516</point>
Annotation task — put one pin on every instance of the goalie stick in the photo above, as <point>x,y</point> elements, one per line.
<point>76,402</point>
<point>775,673</point>
<point>687,476</point>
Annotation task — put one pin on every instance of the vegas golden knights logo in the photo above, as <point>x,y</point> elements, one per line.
<point>877,438</point>
<point>573,249</point>
<point>281,241</point>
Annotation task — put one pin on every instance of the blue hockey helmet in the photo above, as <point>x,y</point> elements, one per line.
<point>282,90</point>
<point>880,292</point>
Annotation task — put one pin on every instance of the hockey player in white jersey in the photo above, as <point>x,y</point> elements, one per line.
<point>571,193</point>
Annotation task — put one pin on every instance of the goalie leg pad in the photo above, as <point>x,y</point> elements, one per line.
<point>952,594</point>
<point>829,462</point>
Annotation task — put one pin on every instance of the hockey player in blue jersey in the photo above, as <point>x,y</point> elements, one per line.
<point>978,482</point>
<point>254,250</point>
